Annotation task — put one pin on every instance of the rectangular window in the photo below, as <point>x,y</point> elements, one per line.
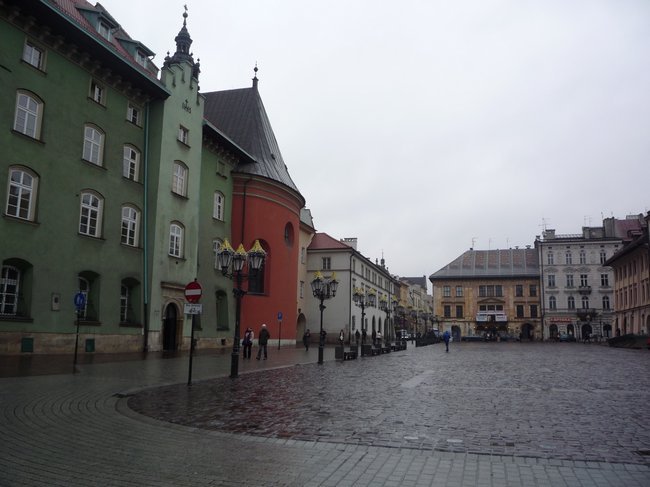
<point>533,311</point>
<point>569,280</point>
<point>551,280</point>
<point>583,280</point>
<point>568,258</point>
<point>603,256</point>
<point>104,30</point>
<point>124,303</point>
<point>133,114</point>
<point>9,287</point>
<point>519,290</point>
<point>520,311</point>
<point>549,258</point>
<point>141,58</point>
<point>326,263</point>
<point>604,280</point>
<point>33,55</point>
<point>532,290</point>
<point>302,289</point>
<point>97,92</point>
<point>459,311</point>
<point>498,291</point>
<point>459,291</point>
<point>183,135</point>
<point>583,257</point>
<point>447,311</point>
<point>446,291</point>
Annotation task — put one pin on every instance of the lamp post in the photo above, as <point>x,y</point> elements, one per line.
<point>323,288</point>
<point>387,307</point>
<point>364,299</point>
<point>228,258</point>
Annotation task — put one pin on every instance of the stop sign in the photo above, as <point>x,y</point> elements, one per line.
<point>193,292</point>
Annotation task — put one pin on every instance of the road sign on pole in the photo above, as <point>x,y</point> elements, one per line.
<point>193,292</point>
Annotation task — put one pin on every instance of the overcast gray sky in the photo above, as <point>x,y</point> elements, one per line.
<point>423,127</point>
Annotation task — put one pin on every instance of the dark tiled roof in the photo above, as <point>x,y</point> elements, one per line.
<point>491,263</point>
<point>323,241</point>
<point>419,281</point>
<point>71,9</point>
<point>240,114</point>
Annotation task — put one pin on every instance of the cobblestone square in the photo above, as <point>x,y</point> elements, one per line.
<point>484,414</point>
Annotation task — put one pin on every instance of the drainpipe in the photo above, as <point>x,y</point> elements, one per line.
<point>145,233</point>
<point>243,213</point>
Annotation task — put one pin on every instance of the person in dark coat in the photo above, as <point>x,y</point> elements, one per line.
<point>248,343</point>
<point>263,340</point>
<point>305,339</point>
<point>446,336</point>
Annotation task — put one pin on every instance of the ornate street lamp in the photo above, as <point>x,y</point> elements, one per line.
<point>364,299</point>
<point>387,307</point>
<point>232,264</point>
<point>323,288</point>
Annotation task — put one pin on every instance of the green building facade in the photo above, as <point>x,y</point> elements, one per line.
<point>113,187</point>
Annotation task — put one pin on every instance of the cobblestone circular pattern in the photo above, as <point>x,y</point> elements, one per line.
<point>558,401</point>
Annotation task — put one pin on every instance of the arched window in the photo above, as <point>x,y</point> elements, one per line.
<point>288,234</point>
<point>129,310</point>
<point>89,287</point>
<point>219,205</point>
<point>131,163</point>
<point>256,279</point>
<point>9,288</point>
<point>21,197</point>
<point>29,114</point>
<point>93,145</point>
<point>176,232</point>
<point>90,219</point>
<point>179,178</point>
<point>571,302</point>
<point>585,302</point>
<point>130,226</point>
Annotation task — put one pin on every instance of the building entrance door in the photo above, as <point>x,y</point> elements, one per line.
<point>170,328</point>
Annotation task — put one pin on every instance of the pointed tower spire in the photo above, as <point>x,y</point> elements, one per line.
<point>183,44</point>
<point>255,76</point>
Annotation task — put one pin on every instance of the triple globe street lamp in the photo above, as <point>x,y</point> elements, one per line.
<point>364,299</point>
<point>231,262</point>
<point>323,288</point>
<point>387,307</point>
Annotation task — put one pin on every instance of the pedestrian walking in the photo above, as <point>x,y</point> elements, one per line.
<point>248,342</point>
<point>341,337</point>
<point>357,336</point>
<point>263,341</point>
<point>364,335</point>
<point>379,337</point>
<point>446,336</point>
<point>374,336</point>
<point>305,339</point>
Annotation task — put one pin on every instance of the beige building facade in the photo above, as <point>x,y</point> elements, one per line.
<point>489,294</point>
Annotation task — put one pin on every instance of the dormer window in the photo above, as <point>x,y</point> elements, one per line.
<point>104,30</point>
<point>141,58</point>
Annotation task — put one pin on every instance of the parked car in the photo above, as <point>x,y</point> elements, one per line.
<point>565,337</point>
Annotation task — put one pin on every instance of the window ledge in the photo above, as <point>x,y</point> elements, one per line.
<point>20,220</point>
<point>27,137</point>
<point>18,319</point>
<point>130,325</point>
<point>90,323</point>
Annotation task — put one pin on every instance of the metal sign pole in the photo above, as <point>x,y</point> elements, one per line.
<point>189,375</point>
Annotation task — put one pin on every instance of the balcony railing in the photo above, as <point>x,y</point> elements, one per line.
<point>584,289</point>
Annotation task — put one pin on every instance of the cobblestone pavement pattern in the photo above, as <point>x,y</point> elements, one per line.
<point>483,415</point>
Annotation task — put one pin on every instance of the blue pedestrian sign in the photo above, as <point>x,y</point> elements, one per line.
<point>279,315</point>
<point>79,300</point>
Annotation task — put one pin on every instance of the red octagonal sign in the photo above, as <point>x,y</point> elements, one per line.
<point>193,292</point>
